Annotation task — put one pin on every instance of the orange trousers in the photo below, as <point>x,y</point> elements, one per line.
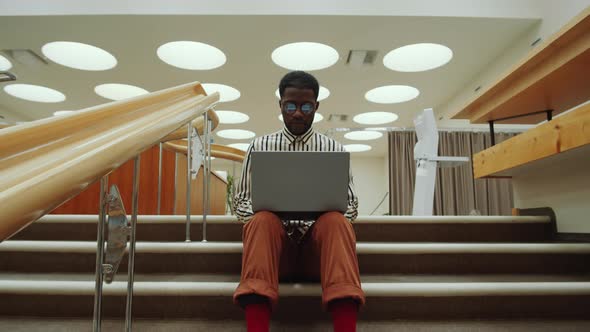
<point>326,253</point>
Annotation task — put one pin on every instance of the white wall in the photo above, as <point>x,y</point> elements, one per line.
<point>561,182</point>
<point>371,183</point>
<point>556,14</point>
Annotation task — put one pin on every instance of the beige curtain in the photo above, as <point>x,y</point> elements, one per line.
<point>456,192</point>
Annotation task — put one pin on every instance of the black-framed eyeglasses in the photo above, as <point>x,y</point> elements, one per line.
<point>291,107</point>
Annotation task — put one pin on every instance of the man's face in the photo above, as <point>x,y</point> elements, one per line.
<point>298,107</point>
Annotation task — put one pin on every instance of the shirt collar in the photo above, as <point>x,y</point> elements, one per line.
<point>304,137</point>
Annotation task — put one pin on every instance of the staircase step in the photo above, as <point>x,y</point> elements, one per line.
<point>372,289</point>
<point>390,278</point>
<point>212,300</point>
<point>374,258</point>
<point>368,228</point>
<point>35,324</point>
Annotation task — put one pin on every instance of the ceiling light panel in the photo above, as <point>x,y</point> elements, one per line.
<point>35,93</point>
<point>61,113</point>
<point>392,94</point>
<point>306,56</point>
<point>79,55</point>
<point>357,147</point>
<point>375,118</point>
<point>117,91</point>
<point>240,146</point>
<point>232,117</point>
<point>236,134</point>
<point>4,63</point>
<point>418,57</point>
<point>322,94</point>
<point>316,118</point>
<point>191,55</point>
<point>364,135</point>
<point>226,92</point>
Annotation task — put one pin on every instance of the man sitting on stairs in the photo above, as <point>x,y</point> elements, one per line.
<point>323,249</point>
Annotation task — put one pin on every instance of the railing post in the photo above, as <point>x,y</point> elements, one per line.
<point>206,169</point>
<point>131,257</point>
<point>104,181</point>
<point>160,178</point>
<point>492,133</point>
<point>189,139</point>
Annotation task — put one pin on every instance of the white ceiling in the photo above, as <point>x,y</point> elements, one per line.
<point>248,41</point>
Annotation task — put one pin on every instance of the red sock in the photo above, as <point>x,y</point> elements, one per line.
<point>258,317</point>
<point>344,314</point>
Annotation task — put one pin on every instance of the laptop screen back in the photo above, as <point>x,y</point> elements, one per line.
<point>299,185</point>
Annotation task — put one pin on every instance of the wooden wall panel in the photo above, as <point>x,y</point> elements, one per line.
<point>168,168</point>
<point>218,191</point>
<point>87,201</point>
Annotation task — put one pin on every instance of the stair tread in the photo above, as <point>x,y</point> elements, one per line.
<point>156,325</point>
<point>393,278</point>
<point>385,289</point>
<point>362,247</point>
<point>362,219</point>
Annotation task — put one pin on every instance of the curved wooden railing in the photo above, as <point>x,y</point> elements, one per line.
<point>198,124</point>
<point>44,163</point>
<point>217,151</point>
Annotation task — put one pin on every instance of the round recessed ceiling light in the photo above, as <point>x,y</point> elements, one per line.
<point>226,92</point>
<point>4,63</point>
<point>235,134</point>
<point>316,118</point>
<point>375,118</point>
<point>191,55</point>
<point>357,147</point>
<point>232,117</point>
<point>79,56</point>
<point>241,146</point>
<point>305,56</point>
<point>116,91</point>
<point>36,93</point>
<point>322,94</point>
<point>391,94</point>
<point>60,113</point>
<point>364,135</point>
<point>418,57</point>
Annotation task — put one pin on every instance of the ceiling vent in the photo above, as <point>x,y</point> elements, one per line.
<point>361,58</point>
<point>337,117</point>
<point>27,57</point>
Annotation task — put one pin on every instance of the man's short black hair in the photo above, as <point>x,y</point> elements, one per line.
<point>299,80</point>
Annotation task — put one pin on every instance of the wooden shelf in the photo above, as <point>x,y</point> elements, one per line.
<point>554,76</point>
<point>567,133</point>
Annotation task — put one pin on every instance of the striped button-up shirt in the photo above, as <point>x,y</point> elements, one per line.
<point>285,141</point>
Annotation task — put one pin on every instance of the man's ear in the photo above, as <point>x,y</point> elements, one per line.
<point>317,105</point>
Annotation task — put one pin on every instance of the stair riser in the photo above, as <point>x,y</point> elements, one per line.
<point>369,264</point>
<point>308,309</point>
<point>365,232</point>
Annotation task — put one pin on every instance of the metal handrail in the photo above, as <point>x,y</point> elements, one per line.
<point>46,162</point>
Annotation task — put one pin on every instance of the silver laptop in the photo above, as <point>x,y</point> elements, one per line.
<point>300,185</point>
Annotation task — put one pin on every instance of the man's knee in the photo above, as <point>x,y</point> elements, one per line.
<point>265,215</point>
<point>264,222</point>
<point>332,219</point>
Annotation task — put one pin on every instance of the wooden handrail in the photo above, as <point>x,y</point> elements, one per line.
<point>198,124</point>
<point>46,162</point>
<point>217,151</point>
